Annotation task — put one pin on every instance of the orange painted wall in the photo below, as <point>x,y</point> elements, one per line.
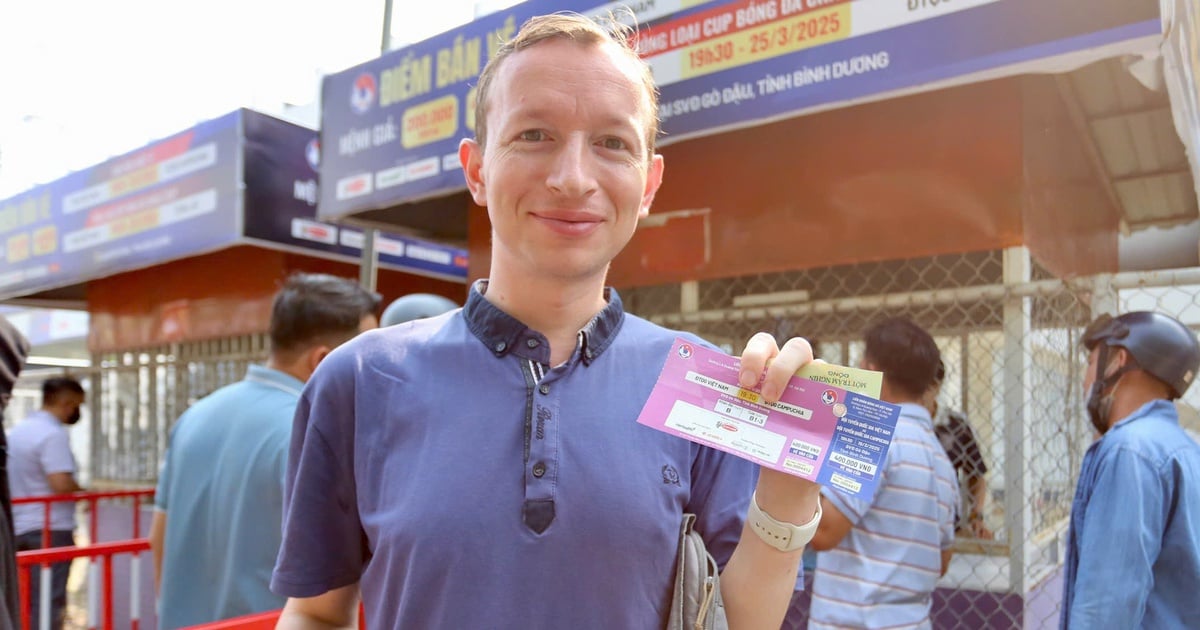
<point>221,294</point>
<point>908,177</point>
<point>1070,224</point>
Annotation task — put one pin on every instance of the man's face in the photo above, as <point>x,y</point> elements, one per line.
<point>1090,376</point>
<point>566,174</point>
<point>1115,357</point>
<point>70,409</point>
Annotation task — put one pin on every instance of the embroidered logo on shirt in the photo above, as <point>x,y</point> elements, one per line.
<point>543,414</point>
<point>670,475</point>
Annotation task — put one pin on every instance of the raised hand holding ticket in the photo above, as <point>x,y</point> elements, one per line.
<point>818,430</point>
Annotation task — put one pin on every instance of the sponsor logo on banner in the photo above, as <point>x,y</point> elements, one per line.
<point>312,153</point>
<point>354,186</point>
<point>362,97</point>
<point>314,231</point>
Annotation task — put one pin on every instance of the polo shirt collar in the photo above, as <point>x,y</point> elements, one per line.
<point>913,411</point>
<point>504,334</point>
<point>1161,408</point>
<point>264,375</point>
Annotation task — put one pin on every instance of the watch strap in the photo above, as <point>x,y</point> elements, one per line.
<point>783,536</point>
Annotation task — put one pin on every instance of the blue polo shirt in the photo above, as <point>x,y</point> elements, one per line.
<point>1133,552</point>
<point>221,486</point>
<point>882,574</point>
<point>467,484</point>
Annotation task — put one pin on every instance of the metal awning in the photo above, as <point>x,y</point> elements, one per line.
<point>1133,140</point>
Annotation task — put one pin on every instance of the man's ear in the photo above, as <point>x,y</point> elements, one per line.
<point>314,356</point>
<point>654,179</point>
<point>1120,359</point>
<point>470,155</point>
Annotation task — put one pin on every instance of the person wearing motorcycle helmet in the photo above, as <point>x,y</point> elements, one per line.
<point>1133,548</point>
<point>415,306</point>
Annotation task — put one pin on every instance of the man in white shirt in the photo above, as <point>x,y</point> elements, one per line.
<point>40,463</point>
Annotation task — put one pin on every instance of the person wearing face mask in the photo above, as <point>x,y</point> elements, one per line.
<point>40,463</point>
<point>1133,549</point>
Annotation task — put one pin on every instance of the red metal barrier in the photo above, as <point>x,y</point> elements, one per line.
<point>92,498</point>
<point>47,555</point>
<point>104,551</point>
<point>260,621</point>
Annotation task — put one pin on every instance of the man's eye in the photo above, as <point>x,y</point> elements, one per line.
<point>533,135</point>
<point>614,144</point>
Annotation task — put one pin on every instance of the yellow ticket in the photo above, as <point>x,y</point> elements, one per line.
<point>857,380</point>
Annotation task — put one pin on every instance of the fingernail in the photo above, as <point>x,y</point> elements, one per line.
<point>746,378</point>
<point>769,393</point>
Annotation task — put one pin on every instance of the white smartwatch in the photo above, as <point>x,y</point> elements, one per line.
<point>782,536</point>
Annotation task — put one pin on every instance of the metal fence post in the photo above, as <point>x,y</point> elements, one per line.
<point>1016,365</point>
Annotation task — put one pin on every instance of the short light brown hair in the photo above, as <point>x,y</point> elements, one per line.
<point>579,29</point>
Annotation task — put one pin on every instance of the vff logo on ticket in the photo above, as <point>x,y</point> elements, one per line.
<point>817,431</point>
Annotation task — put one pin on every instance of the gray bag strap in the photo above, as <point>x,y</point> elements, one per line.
<point>696,603</point>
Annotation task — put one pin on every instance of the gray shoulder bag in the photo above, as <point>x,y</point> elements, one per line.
<point>697,603</point>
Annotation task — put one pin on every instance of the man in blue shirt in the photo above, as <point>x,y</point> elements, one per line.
<point>880,560</point>
<point>222,479</point>
<point>1133,551</point>
<point>485,468</point>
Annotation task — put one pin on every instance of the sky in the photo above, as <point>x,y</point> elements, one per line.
<point>85,80</point>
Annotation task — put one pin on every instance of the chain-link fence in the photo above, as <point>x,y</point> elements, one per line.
<point>1009,336</point>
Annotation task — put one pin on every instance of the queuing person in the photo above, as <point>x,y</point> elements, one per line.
<point>414,306</point>
<point>14,348</point>
<point>1133,548</point>
<point>956,436</point>
<point>484,468</point>
<point>40,463</point>
<point>221,484</point>
<point>880,560</point>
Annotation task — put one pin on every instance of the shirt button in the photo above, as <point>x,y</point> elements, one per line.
<point>545,389</point>
<point>588,353</point>
<point>539,469</point>
<point>500,346</point>
<point>532,343</point>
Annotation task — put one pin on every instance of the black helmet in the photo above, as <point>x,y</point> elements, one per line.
<point>415,306</point>
<point>1161,345</point>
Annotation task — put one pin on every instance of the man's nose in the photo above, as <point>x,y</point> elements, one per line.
<point>572,172</point>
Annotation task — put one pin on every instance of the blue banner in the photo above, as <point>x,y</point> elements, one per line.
<point>174,198</point>
<point>241,177</point>
<point>391,126</point>
<point>281,161</point>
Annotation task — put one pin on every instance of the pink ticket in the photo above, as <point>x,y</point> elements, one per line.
<point>816,431</point>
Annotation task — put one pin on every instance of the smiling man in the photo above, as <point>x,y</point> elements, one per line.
<point>484,468</point>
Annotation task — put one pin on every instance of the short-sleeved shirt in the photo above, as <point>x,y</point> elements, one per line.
<point>467,484</point>
<point>1133,550</point>
<point>882,574</point>
<point>39,446</point>
<point>221,486</point>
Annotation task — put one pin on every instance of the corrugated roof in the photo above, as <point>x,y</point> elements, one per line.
<point>1133,134</point>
